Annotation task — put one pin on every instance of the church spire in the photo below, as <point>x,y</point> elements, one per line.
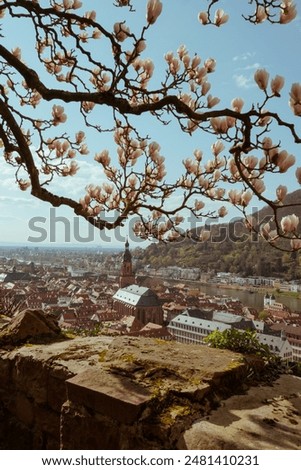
<point>127,276</point>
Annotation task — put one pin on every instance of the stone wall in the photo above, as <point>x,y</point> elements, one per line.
<point>107,393</point>
<point>113,393</point>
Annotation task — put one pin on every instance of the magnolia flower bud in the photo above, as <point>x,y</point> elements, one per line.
<point>258,185</point>
<point>298,174</point>
<point>222,211</point>
<point>212,101</point>
<point>285,161</point>
<point>195,61</point>
<point>246,198</point>
<point>281,192</point>
<point>153,10</point>
<point>204,235</point>
<point>234,196</point>
<point>199,155</point>
<point>261,77</point>
<point>203,17</point>
<point>217,147</point>
<point>198,205</point>
<point>277,84</point>
<point>237,104</point>
<point>210,65</point>
<point>295,99</point>
<point>23,184</point>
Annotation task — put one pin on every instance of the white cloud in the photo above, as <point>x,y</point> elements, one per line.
<point>254,66</point>
<point>244,56</point>
<point>242,81</point>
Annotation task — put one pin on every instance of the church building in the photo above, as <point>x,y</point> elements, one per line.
<point>132,299</point>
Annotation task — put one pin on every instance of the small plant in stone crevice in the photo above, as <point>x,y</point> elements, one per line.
<point>245,342</point>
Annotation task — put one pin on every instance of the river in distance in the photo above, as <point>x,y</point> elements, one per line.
<point>251,299</point>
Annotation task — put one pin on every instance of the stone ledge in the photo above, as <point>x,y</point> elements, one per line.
<point>115,397</point>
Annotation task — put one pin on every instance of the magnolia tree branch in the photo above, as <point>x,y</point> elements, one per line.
<point>36,134</point>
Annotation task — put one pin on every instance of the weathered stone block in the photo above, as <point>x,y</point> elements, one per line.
<point>114,396</point>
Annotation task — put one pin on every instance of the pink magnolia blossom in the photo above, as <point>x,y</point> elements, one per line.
<point>258,185</point>
<point>198,205</point>
<point>261,14</point>
<point>212,101</point>
<point>76,4</point>
<point>234,196</point>
<point>205,88</point>
<point>295,99</point>
<point>103,158</point>
<point>174,66</point>
<point>96,34</point>
<point>222,211</point>
<point>195,62</point>
<point>83,150</point>
<point>16,52</point>
<point>265,230</point>
<point>80,137</point>
<point>277,84</point>
<point>250,162</point>
<point>121,31</point>
<point>281,192</point>
<point>264,120</point>
<point>285,161</point>
<point>186,61</point>
<point>91,15</point>
<point>237,104</point>
<point>298,174</point>
<point>217,147</point>
<point>97,209</point>
<point>23,184</point>
<point>220,17</point>
<point>288,12</point>
<point>246,198</point>
<point>217,175</point>
<point>70,170</point>
<point>219,125</point>
<point>58,115</point>
<point>204,235</point>
<point>153,11</point>
<point>198,154</point>
<point>209,65</point>
<point>261,77</point>
<point>140,46</point>
<point>289,223</point>
<point>191,166</point>
<point>203,182</point>
<point>182,51</point>
<point>220,193</point>
<point>203,17</point>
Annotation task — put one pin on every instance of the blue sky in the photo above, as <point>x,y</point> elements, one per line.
<point>239,49</point>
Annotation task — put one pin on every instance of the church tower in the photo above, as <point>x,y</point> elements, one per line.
<point>127,276</point>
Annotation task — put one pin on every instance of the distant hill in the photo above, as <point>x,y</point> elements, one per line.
<point>231,248</point>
